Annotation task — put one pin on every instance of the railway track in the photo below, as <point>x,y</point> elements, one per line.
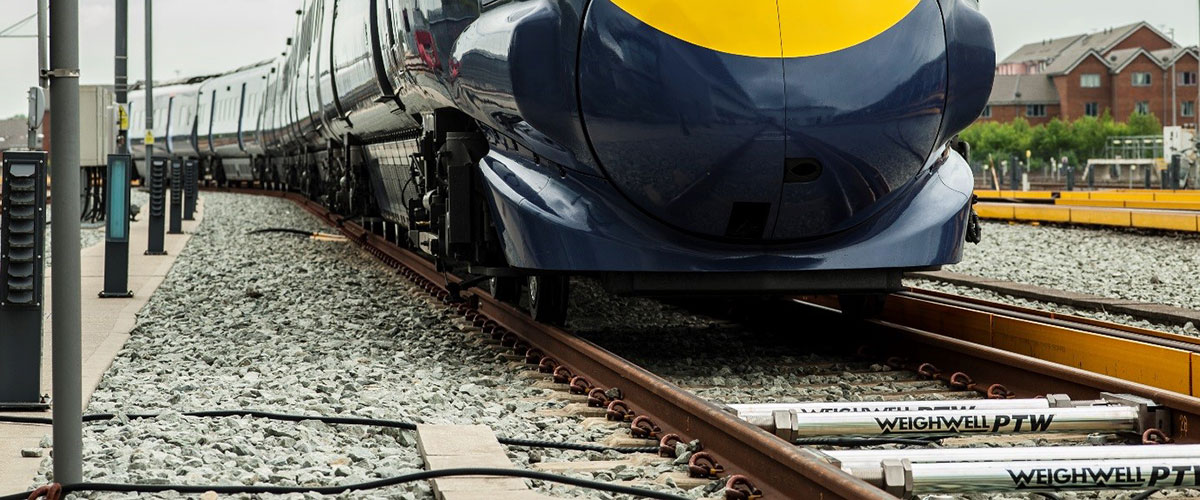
<point>1102,380</point>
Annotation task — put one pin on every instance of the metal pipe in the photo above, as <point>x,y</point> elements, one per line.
<point>862,460</point>
<point>791,425</point>
<point>149,86</point>
<point>1073,475</point>
<point>65,318</point>
<point>43,42</point>
<point>121,75</point>
<point>747,411</point>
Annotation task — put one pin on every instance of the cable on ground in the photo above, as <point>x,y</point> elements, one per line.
<point>850,442</point>
<point>334,490</point>
<point>372,422</point>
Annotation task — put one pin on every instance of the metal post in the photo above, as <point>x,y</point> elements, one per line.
<point>116,232</point>
<point>191,187</point>
<point>65,317</point>
<point>1091,177</point>
<point>158,166</point>
<point>1173,170</point>
<point>43,20</point>
<point>22,274</point>
<point>158,208</point>
<point>1147,175</point>
<point>176,196</point>
<point>1014,174</point>
<point>1070,177</point>
<point>121,80</point>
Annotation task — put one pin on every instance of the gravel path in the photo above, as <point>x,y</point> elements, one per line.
<point>281,323</point>
<point>1126,264</point>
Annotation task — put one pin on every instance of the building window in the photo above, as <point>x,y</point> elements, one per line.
<point>1187,78</point>
<point>1091,109</point>
<point>1035,110</point>
<point>1142,108</point>
<point>1089,81</point>
<point>987,112</point>
<point>1141,79</point>
<point>1188,108</point>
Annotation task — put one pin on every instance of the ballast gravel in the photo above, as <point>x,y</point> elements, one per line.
<point>282,323</point>
<point>1122,319</point>
<point>1131,264</point>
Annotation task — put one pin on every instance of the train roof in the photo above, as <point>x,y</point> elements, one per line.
<point>194,80</point>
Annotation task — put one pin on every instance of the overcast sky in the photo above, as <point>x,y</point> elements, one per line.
<point>202,36</point>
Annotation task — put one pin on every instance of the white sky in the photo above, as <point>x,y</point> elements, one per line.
<point>191,37</point>
<point>203,36</point>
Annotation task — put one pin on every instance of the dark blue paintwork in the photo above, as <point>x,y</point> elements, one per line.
<point>581,223</point>
<point>683,131</point>
<point>971,55</point>
<point>871,114</point>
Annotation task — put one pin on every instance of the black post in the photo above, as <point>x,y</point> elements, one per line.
<point>1147,175</point>
<point>22,274</point>
<point>116,228</point>
<point>191,187</point>
<point>1176,161</point>
<point>1070,177</point>
<point>158,202</point>
<point>1164,178</point>
<point>1091,177</point>
<point>1014,174</point>
<point>176,197</point>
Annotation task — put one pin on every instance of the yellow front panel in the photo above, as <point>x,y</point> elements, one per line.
<point>1161,367</point>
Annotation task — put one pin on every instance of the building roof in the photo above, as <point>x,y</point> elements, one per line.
<point>1061,55</point>
<point>1041,51</point>
<point>1023,89</point>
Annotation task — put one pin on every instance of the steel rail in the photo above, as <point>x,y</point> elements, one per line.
<point>1117,330</point>
<point>1022,375</point>
<point>779,469</point>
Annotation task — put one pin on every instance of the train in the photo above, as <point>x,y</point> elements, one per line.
<point>661,147</point>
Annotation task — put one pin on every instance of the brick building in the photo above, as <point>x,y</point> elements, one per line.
<point>1123,70</point>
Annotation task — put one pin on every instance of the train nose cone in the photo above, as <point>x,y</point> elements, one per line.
<point>726,119</point>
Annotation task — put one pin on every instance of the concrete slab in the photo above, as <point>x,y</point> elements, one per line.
<point>106,324</point>
<point>458,446</point>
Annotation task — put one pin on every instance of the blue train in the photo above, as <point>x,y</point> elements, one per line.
<point>661,146</point>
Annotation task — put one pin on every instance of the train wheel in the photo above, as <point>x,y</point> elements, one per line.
<point>505,289</point>
<point>862,305</point>
<point>548,298</point>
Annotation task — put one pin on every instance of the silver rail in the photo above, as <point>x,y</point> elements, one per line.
<point>906,480</point>
<point>791,425</point>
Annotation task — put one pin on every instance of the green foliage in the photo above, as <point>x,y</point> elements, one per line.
<point>1079,140</point>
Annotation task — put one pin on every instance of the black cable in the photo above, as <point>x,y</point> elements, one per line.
<point>865,441</point>
<point>334,490</point>
<point>282,230</point>
<point>534,443</point>
<point>1144,495</point>
<point>373,422</point>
